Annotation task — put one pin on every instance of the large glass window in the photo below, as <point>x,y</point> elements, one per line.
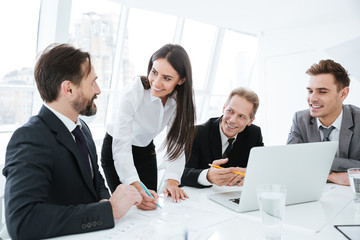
<point>146,32</point>
<point>198,40</point>
<point>234,69</point>
<point>93,27</point>
<point>236,62</point>
<point>19,22</point>
<point>17,59</point>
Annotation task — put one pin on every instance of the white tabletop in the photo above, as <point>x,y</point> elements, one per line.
<point>209,220</point>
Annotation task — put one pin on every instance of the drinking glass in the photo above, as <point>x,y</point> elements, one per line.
<point>272,199</point>
<point>354,179</point>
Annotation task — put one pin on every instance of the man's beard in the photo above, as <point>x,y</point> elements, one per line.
<point>85,107</point>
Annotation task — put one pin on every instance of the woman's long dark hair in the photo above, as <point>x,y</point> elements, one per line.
<point>181,134</point>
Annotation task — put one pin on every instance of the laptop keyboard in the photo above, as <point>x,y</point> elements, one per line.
<point>235,200</point>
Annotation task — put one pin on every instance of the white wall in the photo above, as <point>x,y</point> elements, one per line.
<point>292,36</point>
<point>287,54</point>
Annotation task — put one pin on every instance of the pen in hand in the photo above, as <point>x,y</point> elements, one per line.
<point>215,166</point>
<point>147,192</point>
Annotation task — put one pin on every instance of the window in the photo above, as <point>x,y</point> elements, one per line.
<point>146,32</point>
<point>97,27</point>
<point>93,27</point>
<point>17,61</point>
<point>198,40</point>
<point>234,70</point>
<point>236,62</point>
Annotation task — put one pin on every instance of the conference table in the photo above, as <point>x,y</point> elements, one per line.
<point>204,219</point>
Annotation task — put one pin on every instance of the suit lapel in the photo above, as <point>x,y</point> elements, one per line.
<point>65,138</point>
<point>215,139</point>
<point>313,131</point>
<point>345,132</point>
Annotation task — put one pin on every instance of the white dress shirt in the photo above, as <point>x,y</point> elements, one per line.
<point>224,144</point>
<point>335,133</point>
<point>140,118</point>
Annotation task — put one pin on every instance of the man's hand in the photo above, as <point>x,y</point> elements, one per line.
<point>238,180</point>
<point>172,188</point>
<point>123,198</point>
<point>341,178</point>
<point>225,176</point>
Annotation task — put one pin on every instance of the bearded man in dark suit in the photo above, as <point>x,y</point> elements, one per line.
<point>53,184</point>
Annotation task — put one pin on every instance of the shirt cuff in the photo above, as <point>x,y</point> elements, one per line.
<point>171,176</point>
<point>130,180</point>
<point>202,178</point>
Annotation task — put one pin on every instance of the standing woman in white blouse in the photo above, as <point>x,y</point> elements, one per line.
<point>162,99</point>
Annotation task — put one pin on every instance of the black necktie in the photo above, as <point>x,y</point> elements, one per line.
<point>229,147</point>
<point>326,132</point>
<point>81,144</point>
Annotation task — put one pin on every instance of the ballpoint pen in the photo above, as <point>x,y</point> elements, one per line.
<point>148,193</point>
<point>215,166</point>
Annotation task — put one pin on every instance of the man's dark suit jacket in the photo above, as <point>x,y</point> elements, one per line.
<point>48,191</point>
<point>207,148</point>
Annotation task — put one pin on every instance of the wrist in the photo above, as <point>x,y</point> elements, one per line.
<point>202,178</point>
<point>172,182</point>
<point>112,201</point>
<point>137,186</point>
<point>208,176</point>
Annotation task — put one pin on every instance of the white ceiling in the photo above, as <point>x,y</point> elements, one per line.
<point>286,26</point>
<point>255,16</point>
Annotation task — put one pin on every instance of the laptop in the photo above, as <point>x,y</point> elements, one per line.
<point>303,168</point>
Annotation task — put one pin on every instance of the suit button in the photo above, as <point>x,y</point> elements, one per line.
<point>83,226</point>
<point>99,223</point>
<point>94,223</point>
<point>88,225</point>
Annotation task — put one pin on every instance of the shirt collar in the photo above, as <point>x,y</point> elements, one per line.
<point>152,98</point>
<point>171,101</point>
<point>69,124</point>
<point>336,123</point>
<point>222,135</point>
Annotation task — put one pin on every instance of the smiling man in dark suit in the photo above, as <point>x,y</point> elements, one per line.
<point>53,184</point>
<point>225,141</point>
<point>327,89</point>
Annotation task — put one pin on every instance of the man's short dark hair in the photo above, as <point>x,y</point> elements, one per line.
<point>329,66</point>
<point>56,64</point>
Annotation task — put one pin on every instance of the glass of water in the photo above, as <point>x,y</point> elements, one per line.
<point>354,179</point>
<point>272,199</point>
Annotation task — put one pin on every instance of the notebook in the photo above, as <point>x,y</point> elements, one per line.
<point>302,168</point>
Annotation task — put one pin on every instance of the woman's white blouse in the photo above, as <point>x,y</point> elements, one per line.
<point>139,119</point>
